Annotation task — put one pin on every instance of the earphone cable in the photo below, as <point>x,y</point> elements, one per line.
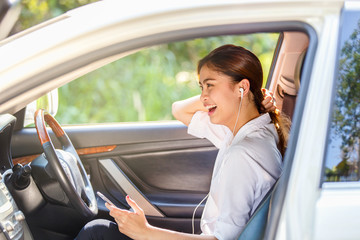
<point>236,122</point>
<point>193,217</point>
<point>237,118</point>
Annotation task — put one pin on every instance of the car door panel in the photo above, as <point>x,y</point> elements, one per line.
<point>168,178</point>
<point>170,169</point>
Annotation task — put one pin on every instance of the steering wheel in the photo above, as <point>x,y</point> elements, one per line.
<point>67,166</point>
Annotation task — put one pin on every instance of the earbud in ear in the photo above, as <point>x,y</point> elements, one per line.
<point>241,91</point>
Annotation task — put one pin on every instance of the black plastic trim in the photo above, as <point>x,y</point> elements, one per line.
<point>274,60</point>
<point>7,123</point>
<point>20,118</point>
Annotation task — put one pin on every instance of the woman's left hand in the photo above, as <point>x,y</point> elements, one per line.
<point>132,224</point>
<point>269,101</point>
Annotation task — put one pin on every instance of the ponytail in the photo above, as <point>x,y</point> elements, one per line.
<point>282,123</point>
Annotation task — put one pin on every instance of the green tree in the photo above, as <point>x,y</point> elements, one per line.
<point>36,11</point>
<point>143,85</point>
<point>347,103</point>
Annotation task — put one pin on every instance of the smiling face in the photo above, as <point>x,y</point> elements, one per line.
<point>220,96</point>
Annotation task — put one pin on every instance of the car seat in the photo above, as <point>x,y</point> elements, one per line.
<point>255,227</point>
<point>288,87</point>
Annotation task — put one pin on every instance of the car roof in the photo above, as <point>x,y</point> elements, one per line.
<point>101,32</point>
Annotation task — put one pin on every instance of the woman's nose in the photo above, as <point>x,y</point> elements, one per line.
<point>203,96</point>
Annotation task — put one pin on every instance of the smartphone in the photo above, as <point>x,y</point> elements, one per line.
<point>105,198</point>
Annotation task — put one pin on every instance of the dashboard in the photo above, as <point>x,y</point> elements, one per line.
<point>12,221</point>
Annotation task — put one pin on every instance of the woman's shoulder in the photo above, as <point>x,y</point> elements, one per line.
<point>260,139</point>
<point>260,129</point>
<point>255,148</point>
<point>259,153</point>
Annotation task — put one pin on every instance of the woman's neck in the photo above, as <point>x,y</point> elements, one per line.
<point>248,112</point>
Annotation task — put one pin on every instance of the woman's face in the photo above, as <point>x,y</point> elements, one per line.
<point>220,96</point>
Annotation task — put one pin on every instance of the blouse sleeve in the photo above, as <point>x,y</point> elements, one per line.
<point>201,127</point>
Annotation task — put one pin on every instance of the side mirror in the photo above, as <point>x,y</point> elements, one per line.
<point>49,102</point>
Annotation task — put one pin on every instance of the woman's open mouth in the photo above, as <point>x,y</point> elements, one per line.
<point>211,109</point>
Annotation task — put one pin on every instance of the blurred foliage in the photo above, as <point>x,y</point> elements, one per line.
<point>141,86</point>
<point>36,11</point>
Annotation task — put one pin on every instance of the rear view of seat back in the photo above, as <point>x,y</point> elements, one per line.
<point>288,86</point>
<point>255,227</point>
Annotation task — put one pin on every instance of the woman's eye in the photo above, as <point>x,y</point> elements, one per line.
<point>207,85</point>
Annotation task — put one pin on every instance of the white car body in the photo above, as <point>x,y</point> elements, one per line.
<point>99,33</point>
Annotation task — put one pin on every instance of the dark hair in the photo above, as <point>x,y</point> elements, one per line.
<point>239,63</point>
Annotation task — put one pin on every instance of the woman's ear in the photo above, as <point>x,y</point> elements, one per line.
<point>245,86</point>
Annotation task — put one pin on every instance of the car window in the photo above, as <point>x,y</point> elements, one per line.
<point>143,85</point>
<point>342,162</point>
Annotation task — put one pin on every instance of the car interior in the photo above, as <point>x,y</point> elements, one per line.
<point>165,170</point>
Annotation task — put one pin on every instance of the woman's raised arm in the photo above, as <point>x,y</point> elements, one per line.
<point>184,110</point>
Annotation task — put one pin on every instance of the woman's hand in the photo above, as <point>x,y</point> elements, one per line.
<point>132,224</point>
<point>269,101</point>
<point>135,225</point>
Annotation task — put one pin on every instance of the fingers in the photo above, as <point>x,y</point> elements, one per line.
<point>269,97</point>
<point>264,90</point>
<point>270,108</point>
<point>121,216</point>
<point>267,93</point>
<point>114,211</point>
<point>134,205</point>
<point>129,223</point>
<point>108,206</point>
<point>269,101</point>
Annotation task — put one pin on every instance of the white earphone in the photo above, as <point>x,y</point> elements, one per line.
<point>242,92</point>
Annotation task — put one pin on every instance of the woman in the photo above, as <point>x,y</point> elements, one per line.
<point>230,113</point>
